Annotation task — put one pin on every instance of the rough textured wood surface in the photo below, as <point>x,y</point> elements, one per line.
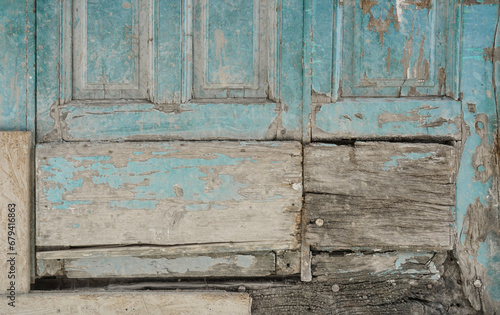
<point>15,212</point>
<point>379,283</point>
<point>154,262</point>
<point>379,195</point>
<point>130,303</point>
<point>370,295</point>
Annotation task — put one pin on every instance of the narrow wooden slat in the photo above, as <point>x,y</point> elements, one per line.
<point>379,195</point>
<point>169,194</point>
<point>401,266</point>
<point>154,262</point>
<point>15,212</point>
<point>130,303</point>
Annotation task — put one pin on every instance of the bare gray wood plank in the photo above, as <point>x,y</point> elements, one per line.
<point>15,212</point>
<point>379,195</point>
<point>170,193</point>
<point>402,266</point>
<point>410,284</point>
<point>131,303</point>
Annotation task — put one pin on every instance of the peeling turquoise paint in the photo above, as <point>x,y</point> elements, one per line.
<point>389,117</point>
<point>143,266</point>
<point>153,180</point>
<point>475,182</point>
<point>406,156</point>
<point>189,121</point>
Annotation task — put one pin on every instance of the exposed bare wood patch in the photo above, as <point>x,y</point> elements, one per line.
<point>379,195</point>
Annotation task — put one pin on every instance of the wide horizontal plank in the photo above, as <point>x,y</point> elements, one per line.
<point>153,262</point>
<point>379,195</point>
<point>377,118</point>
<point>15,212</point>
<point>157,302</point>
<point>115,120</point>
<point>171,193</point>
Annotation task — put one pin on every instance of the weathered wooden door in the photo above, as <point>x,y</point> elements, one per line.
<point>349,141</point>
<point>144,73</point>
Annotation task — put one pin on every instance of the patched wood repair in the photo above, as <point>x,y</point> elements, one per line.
<point>379,195</point>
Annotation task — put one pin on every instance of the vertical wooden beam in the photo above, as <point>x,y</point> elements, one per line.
<point>15,213</point>
<point>478,245</point>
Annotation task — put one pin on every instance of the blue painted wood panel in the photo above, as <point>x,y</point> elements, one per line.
<point>112,33</point>
<point>373,118</point>
<point>276,116</point>
<point>17,65</point>
<point>394,45</point>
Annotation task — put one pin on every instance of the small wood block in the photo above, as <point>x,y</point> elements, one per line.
<point>15,212</point>
<point>157,302</point>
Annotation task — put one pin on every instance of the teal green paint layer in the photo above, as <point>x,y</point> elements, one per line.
<point>190,121</point>
<point>358,118</point>
<point>16,64</point>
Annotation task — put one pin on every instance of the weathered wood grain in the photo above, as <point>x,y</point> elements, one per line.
<point>15,212</point>
<point>131,303</point>
<point>169,194</point>
<point>379,195</point>
<point>401,266</point>
<point>410,289</point>
<point>154,262</point>
<point>379,118</point>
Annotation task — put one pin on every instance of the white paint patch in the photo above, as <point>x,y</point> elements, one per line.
<point>297,186</point>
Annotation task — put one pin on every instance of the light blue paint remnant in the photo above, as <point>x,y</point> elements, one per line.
<point>138,153</point>
<point>75,225</point>
<point>406,156</point>
<point>161,153</point>
<point>244,261</point>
